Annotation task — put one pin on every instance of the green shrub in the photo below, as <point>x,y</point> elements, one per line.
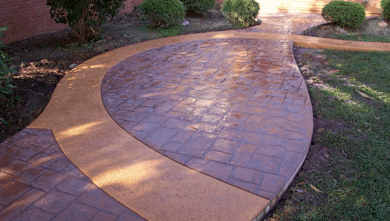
<point>164,13</point>
<point>5,73</point>
<point>83,15</point>
<point>344,14</point>
<point>385,6</point>
<point>241,12</point>
<point>198,7</point>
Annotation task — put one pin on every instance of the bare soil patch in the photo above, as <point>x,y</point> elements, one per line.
<point>371,27</point>
<point>42,61</point>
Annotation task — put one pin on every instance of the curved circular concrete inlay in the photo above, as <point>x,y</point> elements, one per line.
<point>235,109</point>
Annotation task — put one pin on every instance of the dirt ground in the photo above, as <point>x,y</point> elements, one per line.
<point>370,27</point>
<point>42,61</point>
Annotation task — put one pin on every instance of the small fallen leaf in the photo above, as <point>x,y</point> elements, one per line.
<point>326,154</point>
<point>320,130</point>
<point>315,188</point>
<point>364,95</point>
<point>301,183</point>
<point>298,190</point>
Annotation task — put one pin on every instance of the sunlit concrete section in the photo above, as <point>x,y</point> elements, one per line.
<point>150,184</point>
<point>157,187</point>
<point>234,109</point>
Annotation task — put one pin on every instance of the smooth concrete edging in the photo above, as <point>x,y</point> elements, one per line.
<point>152,185</point>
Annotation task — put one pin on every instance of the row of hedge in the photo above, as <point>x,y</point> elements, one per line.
<point>350,14</point>
<point>167,13</point>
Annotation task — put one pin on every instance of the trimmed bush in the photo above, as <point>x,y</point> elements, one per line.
<point>241,12</point>
<point>385,6</point>
<point>344,14</point>
<point>198,7</point>
<point>83,15</point>
<point>164,13</point>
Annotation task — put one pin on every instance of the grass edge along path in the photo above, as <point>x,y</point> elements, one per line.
<point>347,173</point>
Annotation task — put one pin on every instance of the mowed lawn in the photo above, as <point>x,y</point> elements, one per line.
<point>347,172</point>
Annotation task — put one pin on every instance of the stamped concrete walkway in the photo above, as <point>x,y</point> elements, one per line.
<point>209,126</point>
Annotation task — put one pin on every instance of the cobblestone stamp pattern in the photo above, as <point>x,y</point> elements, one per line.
<point>38,182</point>
<point>235,109</point>
<point>287,22</point>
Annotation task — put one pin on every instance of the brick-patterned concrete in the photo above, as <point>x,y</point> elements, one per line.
<point>287,22</point>
<point>234,109</point>
<point>38,182</point>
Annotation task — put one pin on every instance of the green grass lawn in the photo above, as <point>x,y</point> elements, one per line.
<point>372,38</point>
<point>350,162</point>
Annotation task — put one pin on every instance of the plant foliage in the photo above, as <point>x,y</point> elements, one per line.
<point>83,15</point>
<point>5,72</point>
<point>198,7</point>
<point>344,14</point>
<point>241,12</point>
<point>164,13</point>
<point>385,6</point>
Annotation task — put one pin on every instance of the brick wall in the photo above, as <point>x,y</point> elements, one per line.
<point>314,6</point>
<point>27,18</point>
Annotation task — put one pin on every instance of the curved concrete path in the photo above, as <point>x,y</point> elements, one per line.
<point>149,183</point>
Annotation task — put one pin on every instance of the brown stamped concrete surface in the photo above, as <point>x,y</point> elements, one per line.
<point>235,109</point>
<point>147,182</point>
<point>229,107</point>
<point>38,182</point>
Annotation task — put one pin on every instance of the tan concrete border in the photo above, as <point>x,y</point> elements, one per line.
<point>152,185</point>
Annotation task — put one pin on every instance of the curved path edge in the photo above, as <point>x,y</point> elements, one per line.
<point>131,172</point>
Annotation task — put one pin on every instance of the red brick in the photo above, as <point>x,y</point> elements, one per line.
<point>267,194</point>
<point>35,214</point>
<point>103,216</point>
<point>30,174</point>
<point>77,211</point>
<point>214,169</point>
<point>183,159</point>
<point>130,216</point>
<point>241,159</point>
<point>226,146</point>
<point>44,159</point>
<point>11,191</point>
<point>249,137</point>
<point>5,178</point>
<point>291,162</point>
<point>54,201</point>
<point>243,185</point>
<point>74,186</point>
<point>15,167</point>
<point>272,183</point>
<point>265,163</point>
<point>15,208</point>
<point>271,150</point>
<point>218,156</point>
<point>248,175</point>
<point>60,164</point>
<point>48,180</point>
<point>96,198</point>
